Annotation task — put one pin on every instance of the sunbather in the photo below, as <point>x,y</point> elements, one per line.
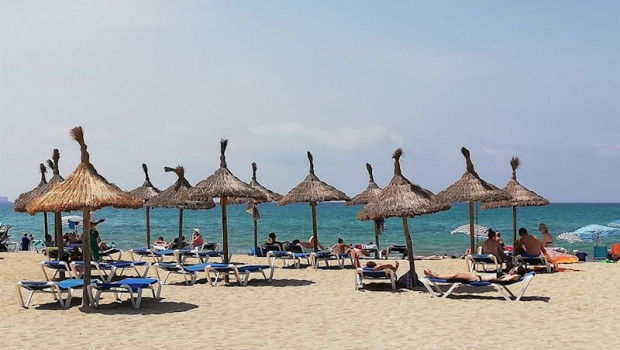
<point>197,240</point>
<point>512,275</point>
<point>379,267</point>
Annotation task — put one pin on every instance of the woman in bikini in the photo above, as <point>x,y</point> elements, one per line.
<point>512,275</point>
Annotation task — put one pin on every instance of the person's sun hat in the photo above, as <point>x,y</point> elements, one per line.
<point>196,231</point>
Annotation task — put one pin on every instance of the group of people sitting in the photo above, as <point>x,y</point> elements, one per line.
<point>196,242</point>
<point>526,244</point>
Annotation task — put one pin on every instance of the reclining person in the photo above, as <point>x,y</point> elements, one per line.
<point>513,275</point>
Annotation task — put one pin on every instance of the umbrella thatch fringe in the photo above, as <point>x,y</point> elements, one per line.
<point>470,187</point>
<point>311,189</point>
<point>269,194</point>
<point>402,198</point>
<point>147,190</point>
<point>370,193</point>
<point>521,196</point>
<point>175,196</point>
<point>222,183</point>
<point>84,188</point>
<point>27,197</point>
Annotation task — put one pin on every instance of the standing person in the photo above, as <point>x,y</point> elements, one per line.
<point>25,242</point>
<point>547,240</point>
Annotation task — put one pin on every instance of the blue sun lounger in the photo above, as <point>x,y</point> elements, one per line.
<point>482,262</point>
<point>284,255</point>
<point>327,256</point>
<point>108,269</point>
<point>132,286</point>
<point>533,260</point>
<point>57,289</point>
<point>433,285</point>
<point>241,272</point>
<point>57,266</point>
<point>369,273</point>
<point>189,272</point>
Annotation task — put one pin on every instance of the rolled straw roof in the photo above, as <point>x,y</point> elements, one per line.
<point>370,193</point>
<point>269,194</point>
<point>84,188</point>
<point>175,196</point>
<point>401,198</point>
<point>147,190</point>
<point>224,183</point>
<point>27,197</point>
<point>311,189</point>
<point>521,196</point>
<point>470,187</point>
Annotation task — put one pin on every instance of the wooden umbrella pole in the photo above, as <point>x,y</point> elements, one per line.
<point>180,228</point>
<point>314,229</point>
<point>223,201</point>
<point>148,227</point>
<point>58,236</point>
<point>472,246</point>
<point>376,224</point>
<point>45,225</point>
<point>414,275</point>
<point>255,237</point>
<point>514,226</point>
<point>86,252</point>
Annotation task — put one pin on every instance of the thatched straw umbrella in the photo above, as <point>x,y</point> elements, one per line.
<point>401,198</point>
<point>144,193</point>
<point>223,185</point>
<point>84,190</point>
<point>471,188</point>
<point>371,192</point>
<point>521,197</point>
<point>27,197</point>
<point>313,190</point>
<point>271,197</point>
<point>175,196</point>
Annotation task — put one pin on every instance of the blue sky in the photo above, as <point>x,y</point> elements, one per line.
<point>161,82</point>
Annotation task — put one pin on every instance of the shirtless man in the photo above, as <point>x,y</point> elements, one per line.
<point>493,246</point>
<point>528,244</point>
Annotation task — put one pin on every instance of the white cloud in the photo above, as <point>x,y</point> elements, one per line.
<point>608,150</point>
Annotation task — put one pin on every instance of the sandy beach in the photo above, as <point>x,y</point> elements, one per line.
<point>318,309</point>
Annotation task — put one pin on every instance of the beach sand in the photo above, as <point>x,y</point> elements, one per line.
<point>320,309</point>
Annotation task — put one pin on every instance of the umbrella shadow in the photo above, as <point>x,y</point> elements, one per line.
<point>148,306</point>
<point>489,297</point>
<point>380,287</point>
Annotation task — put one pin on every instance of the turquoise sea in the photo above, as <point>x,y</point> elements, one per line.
<point>430,233</point>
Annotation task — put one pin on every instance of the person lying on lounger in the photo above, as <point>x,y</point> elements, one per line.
<point>512,275</point>
<point>379,267</point>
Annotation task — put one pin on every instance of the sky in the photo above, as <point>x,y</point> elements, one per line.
<point>161,82</point>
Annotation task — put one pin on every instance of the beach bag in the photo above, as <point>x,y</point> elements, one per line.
<point>405,281</point>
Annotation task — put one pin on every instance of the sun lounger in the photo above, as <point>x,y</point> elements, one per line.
<point>142,253</point>
<point>434,286</point>
<point>399,250</point>
<point>533,260</point>
<point>241,272</point>
<point>189,272</point>
<point>112,254</point>
<point>57,267</point>
<point>369,273</point>
<point>327,256</point>
<point>203,256</point>
<point>296,257</point>
<point>482,262</point>
<point>57,289</point>
<point>132,286</point>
